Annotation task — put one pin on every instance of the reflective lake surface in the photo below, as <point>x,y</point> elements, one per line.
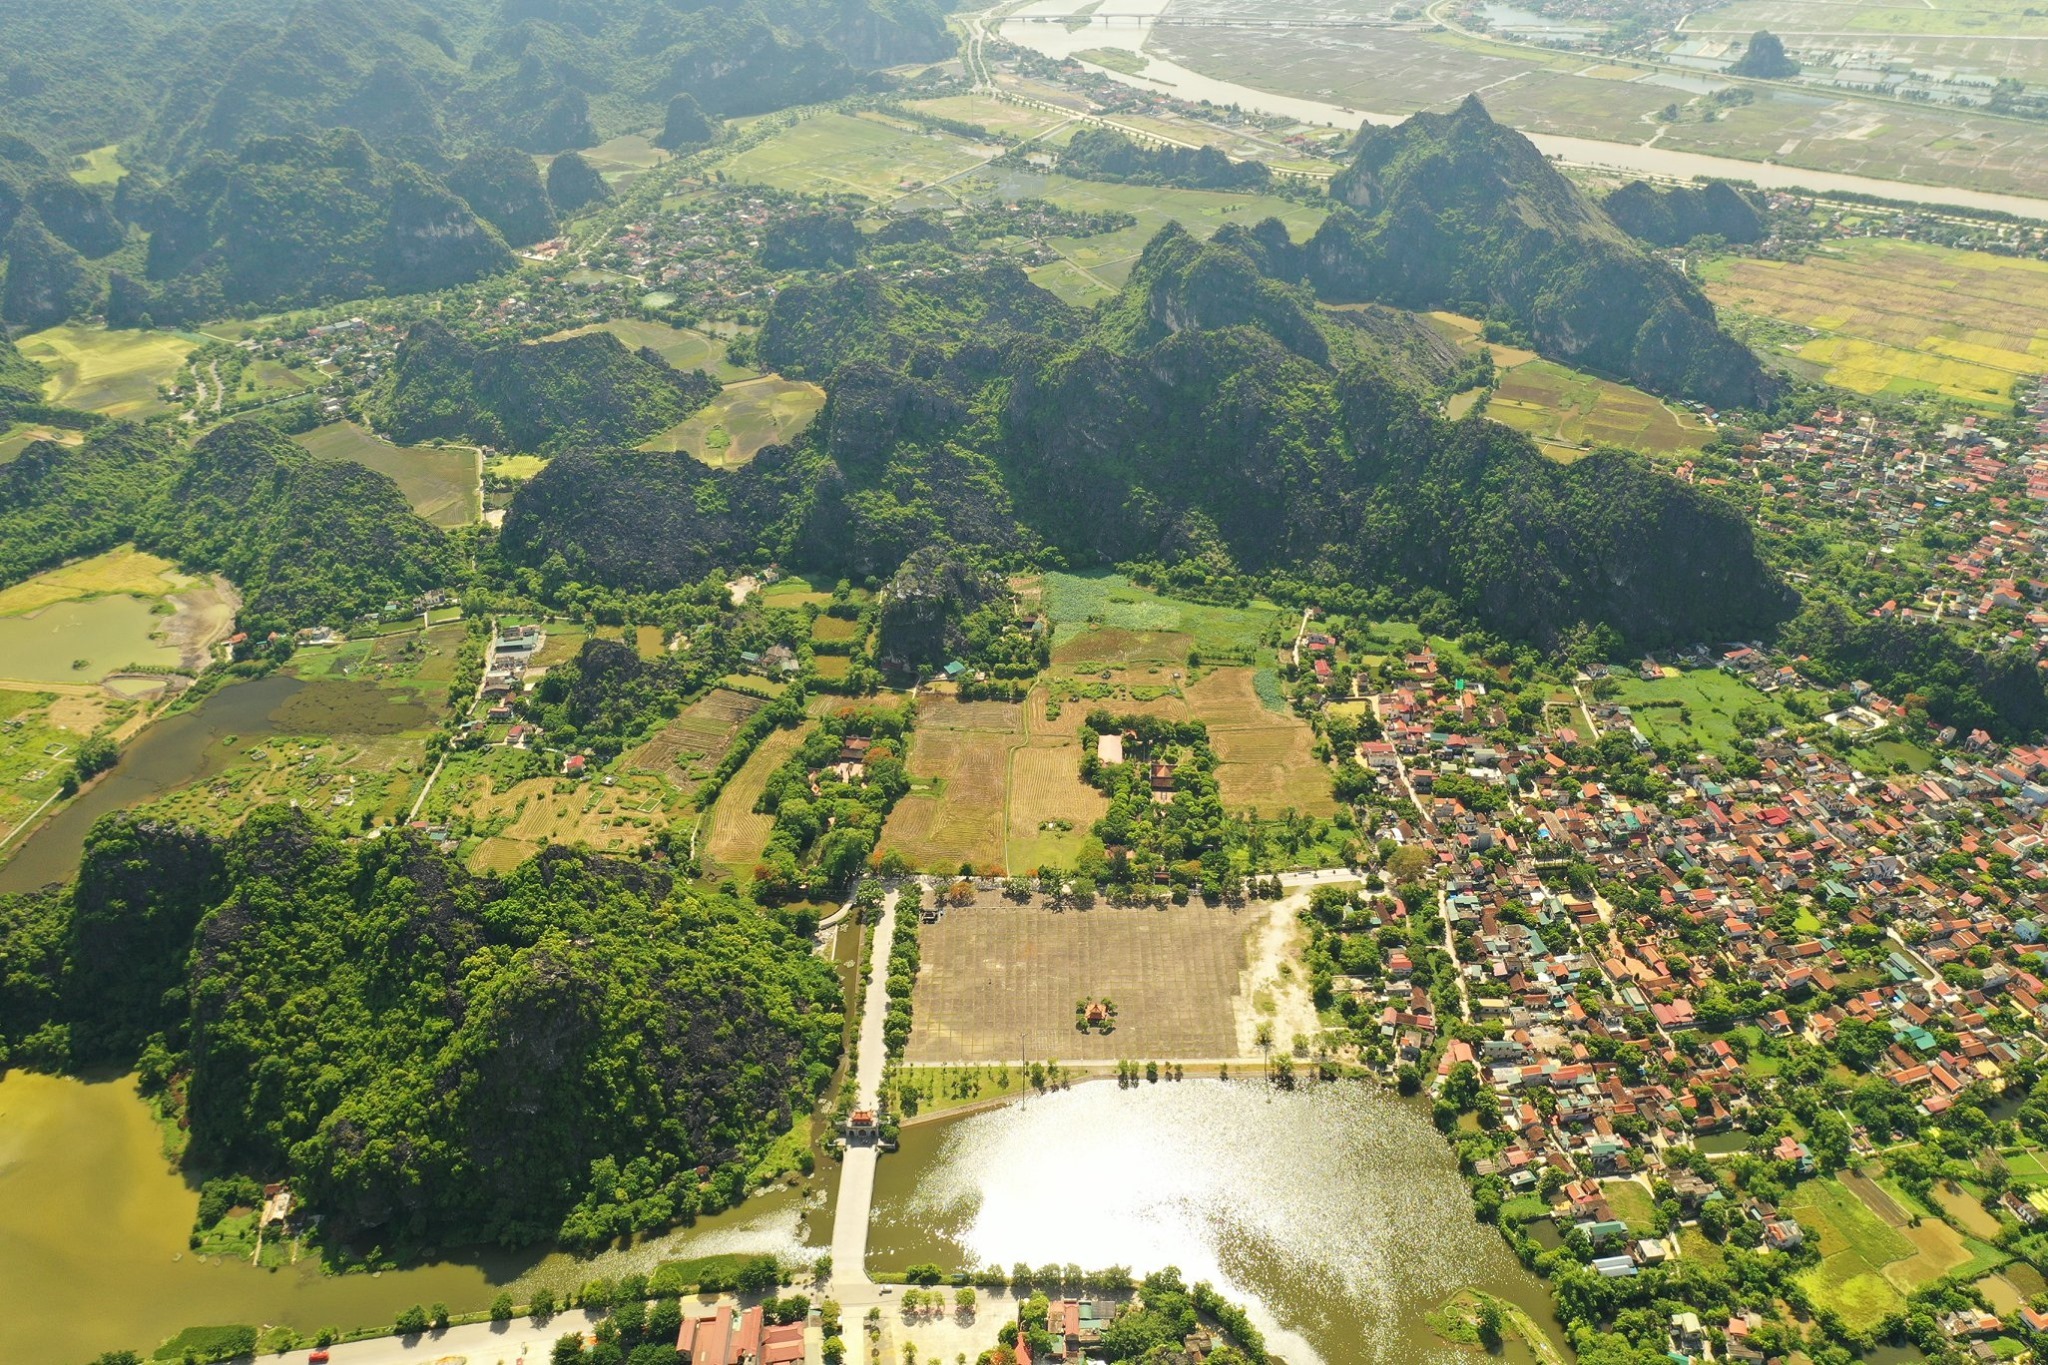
<point>1335,1213</point>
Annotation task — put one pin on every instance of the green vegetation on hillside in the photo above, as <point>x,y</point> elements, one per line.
<point>543,396</point>
<point>1096,153</point>
<point>1675,214</point>
<point>306,540</point>
<point>289,221</point>
<point>1447,208</point>
<point>431,1058</point>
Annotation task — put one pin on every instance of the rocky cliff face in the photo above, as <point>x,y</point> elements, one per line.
<point>1451,210</point>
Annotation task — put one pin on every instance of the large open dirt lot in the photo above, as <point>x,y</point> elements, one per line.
<point>999,981</point>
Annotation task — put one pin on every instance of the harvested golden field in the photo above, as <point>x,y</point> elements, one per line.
<point>1045,788</point>
<point>1902,317</point>
<point>737,833</point>
<point>997,976</point>
<point>954,813</point>
<point>1271,767</point>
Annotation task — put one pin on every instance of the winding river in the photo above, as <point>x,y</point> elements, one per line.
<point>1135,19</point>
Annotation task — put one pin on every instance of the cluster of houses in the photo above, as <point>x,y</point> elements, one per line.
<point>1891,872</point>
<point>1986,496</point>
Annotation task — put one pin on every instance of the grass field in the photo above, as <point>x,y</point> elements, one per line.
<point>691,746</point>
<point>740,422</point>
<point>38,731</point>
<point>1902,318</point>
<point>1102,263</point>
<point>440,484</point>
<point>1051,808</point>
<point>1632,1204</point>
<point>522,817</point>
<point>19,436</point>
<point>624,157</point>
<point>1695,709</point>
<point>100,166</point>
<point>737,834</point>
<point>1568,412</point>
<point>682,347</point>
<point>1084,605</point>
<point>868,154</point>
<point>111,372</point>
<point>997,977</point>
<point>986,111</point>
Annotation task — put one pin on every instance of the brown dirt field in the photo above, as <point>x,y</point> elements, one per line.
<point>963,820</point>
<point>80,715</point>
<point>944,713</point>
<point>1045,784</point>
<point>738,834</point>
<point>1000,979</point>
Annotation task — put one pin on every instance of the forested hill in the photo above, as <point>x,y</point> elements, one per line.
<point>470,1059</point>
<point>307,541</point>
<point>1675,214</point>
<point>538,396</point>
<point>21,379</point>
<point>1453,210</point>
<point>428,80</point>
<point>288,221</point>
<point>1211,422</point>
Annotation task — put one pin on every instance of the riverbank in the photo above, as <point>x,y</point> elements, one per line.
<point>1181,82</point>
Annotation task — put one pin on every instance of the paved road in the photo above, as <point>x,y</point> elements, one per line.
<point>857,1172</point>
<point>518,1342</point>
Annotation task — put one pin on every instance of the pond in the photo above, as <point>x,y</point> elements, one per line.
<point>94,1221</point>
<point>190,747</point>
<point>104,634</point>
<point>1335,1214</point>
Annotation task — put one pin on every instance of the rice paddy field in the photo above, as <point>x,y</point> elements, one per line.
<point>115,373</point>
<point>986,111</point>
<point>1566,411</point>
<point>682,347</point>
<point>1872,1252</point>
<point>690,747</point>
<point>1569,413</point>
<point>440,483</point>
<point>743,420</point>
<point>736,833</point>
<point>957,810</point>
<point>1902,318</point>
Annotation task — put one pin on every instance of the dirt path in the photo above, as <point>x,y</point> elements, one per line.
<point>1273,976</point>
